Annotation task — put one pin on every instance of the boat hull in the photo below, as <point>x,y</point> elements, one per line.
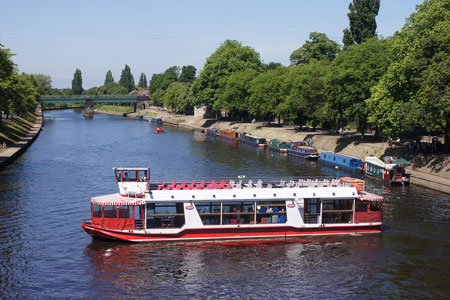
<point>304,155</point>
<point>234,232</point>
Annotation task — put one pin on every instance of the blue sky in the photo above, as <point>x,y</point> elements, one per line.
<point>56,37</point>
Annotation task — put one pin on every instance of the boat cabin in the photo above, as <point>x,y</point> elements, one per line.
<point>340,160</point>
<point>132,182</point>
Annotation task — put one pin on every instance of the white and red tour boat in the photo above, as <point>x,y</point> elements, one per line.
<point>208,210</point>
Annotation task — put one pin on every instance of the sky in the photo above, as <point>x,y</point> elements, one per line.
<point>57,37</point>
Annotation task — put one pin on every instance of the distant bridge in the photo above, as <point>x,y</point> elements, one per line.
<point>140,102</point>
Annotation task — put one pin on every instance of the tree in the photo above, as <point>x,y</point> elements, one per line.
<point>111,88</point>
<point>6,71</point>
<point>109,77</point>
<point>318,47</point>
<point>362,21</point>
<point>414,90</point>
<point>188,74</point>
<point>43,83</point>
<point>176,97</point>
<point>355,72</point>
<point>77,83</point>
<point>234,93</point>
<point>142,81</point>
<point>268,91</point>
<point>127,79</point>
<point>230,57</point>
<point>307,95</point>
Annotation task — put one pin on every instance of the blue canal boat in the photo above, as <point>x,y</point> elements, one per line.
<point>301,150</point>
<point>340,160</point>
<point>157,121</point>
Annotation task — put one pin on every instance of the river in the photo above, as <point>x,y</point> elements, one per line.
<point>44,253</point>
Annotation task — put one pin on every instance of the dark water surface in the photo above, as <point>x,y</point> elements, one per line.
<point>44,254</point>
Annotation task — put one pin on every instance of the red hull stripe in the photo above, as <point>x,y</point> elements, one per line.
<point>226,233</point>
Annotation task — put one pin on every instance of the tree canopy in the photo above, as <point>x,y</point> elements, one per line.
<point>414,91</point>
<point>127,79</point>
<point>318,47</point>
<point>230,57</point>
<point>362,21</point>
<point>109,77</point>
<point>188,74</point>
<point>142,81</point>
<point>77,83</point>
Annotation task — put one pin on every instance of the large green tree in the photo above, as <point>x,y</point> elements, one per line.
<point>112,88</point>
<point>268,92</point>
<point>142,81</point>
<point>109,77</point>
<point>188,74</point>
<point>230,57</point>
<point>6,71</point>
<point>77,83</point>
<point>362,21</point>
<point>318,47</point>
<point>127,79</point>
<point>176,97</point>
<point>355,72</point>
<point>414,92</point>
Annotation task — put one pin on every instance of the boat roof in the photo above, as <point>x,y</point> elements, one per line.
<point>254,193</point>
<point>342,155</point>
<point>253,136</point>
<point>375,161</point>
<point>116,199</point>
<point>131,169</point>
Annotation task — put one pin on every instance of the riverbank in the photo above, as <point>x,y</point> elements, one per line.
<point>20,139</point>
<point>432,171</point>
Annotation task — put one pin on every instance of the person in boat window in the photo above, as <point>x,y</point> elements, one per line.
<point>125,177</point>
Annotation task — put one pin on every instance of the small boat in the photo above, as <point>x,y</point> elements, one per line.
<point>276,145</point>
<point>212,131</point>
<point>219,210</point>
<point>147,118</point>
<point>301,150</point>
<point>229,135</point>
<point>348,162</point>
<point>157,121</point>
<point>391,171</point>
<point>159,129</point>
<point>252,140</point>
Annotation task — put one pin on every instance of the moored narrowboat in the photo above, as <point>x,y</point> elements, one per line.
<point>212,131</point>
<point>157,121</point>
<point>205,210</point>
<point>348,162</point>
<point>391,172</point>
<point>229,135</point>
<point>276,145</point>
<point>252,140</point>
<point>301,150</point>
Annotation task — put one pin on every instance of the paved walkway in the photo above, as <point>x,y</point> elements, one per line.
<point>13,152</point>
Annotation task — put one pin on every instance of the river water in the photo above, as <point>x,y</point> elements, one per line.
<point>44,254</point>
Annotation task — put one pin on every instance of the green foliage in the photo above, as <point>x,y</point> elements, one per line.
<point>127,79</point>
<point>414,90</point>
<point>176,97</point>
<point>234,92</point>
<point>160,83</point>
<point>230,57</point>
<point>268,91</point>
<point>77,83</point>
<point>307,97</point>
<point>318,47</point>
<point>91,91</point>
<point>43,83</point>
<point>112,88</point>
<point>354,73</point>
<point>362,21</point>
<point>109,77</point>
<point>142,81</point>
<point>188,74</point>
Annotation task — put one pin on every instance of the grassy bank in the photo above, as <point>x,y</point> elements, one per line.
<point>11,131</point>
<point>114,108</point>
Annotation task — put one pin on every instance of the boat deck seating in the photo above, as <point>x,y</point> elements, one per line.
<point>201,185</point>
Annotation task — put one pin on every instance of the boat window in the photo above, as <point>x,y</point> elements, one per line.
<point>344,161</point>
<point>109,211</point>
<point>118,175</point>
<point>361,206</point>
<point>334,158</point>
<point>129,176</point>
<point>165,215</point>
<point>337,211</point>
<point>375,205</point>
<point>126,211</point>
<point>209,212</point>
<point>97,211</point>
<point>142,175</point>
<point>312,211</point>
<point>268,212</point>
<point>238,212</point>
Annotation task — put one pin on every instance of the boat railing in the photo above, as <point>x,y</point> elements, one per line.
<point>249,184</point>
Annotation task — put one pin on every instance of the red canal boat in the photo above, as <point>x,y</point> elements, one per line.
<point>208,210</point>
